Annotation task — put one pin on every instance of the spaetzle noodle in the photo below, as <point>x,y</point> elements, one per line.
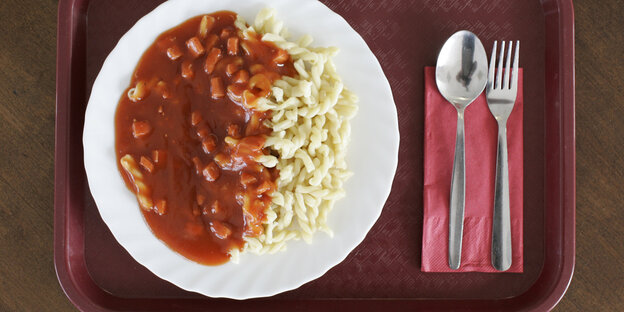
<point>310,134</point>
<point>143,193</point>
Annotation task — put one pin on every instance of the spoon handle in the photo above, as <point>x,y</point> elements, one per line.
<point>458,196</point>
<point>501,227</point>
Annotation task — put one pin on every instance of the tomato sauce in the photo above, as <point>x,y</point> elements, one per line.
<point>189,121</point>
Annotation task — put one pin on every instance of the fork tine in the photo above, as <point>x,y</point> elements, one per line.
<point>507,66</point>
<point>492,67</point>
<point>499,69</point>
<point>514,82</point>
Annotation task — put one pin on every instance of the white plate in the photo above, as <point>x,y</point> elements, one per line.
<point>372,155</point>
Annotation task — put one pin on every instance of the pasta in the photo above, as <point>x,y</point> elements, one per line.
<point>310,133</point>
<point>142,191</point>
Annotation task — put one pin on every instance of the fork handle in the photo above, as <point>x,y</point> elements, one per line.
<point>458,196</point>
<point>501,226</point>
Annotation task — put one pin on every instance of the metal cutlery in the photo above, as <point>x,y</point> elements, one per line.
<point>461,77</point>
<point>501,91</point>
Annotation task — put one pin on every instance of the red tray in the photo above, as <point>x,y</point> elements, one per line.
<point>97,274</point>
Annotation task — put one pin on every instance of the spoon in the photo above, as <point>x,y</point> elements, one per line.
<point>461,75</point>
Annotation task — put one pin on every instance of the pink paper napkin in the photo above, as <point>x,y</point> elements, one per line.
<point>481,140</point>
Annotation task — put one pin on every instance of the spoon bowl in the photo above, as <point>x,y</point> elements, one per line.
<point>462,69</point>
<point>461,76</point>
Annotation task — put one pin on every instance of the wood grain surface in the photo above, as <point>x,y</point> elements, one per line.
<point>27,106</point>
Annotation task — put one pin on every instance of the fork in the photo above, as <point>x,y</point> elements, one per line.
<point>501,96</point>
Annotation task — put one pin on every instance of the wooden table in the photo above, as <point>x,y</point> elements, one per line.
<point>27,89</point>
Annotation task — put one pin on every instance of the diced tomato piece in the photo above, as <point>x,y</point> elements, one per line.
<point>141,129</point>
<point>174,53</point>
<point>220,230</point>
<point>232,46</point>
<point>211,60</point>
<point>163,89</point>
<point>159,156</point>
<point>186,70</point>
<point>222,160</point>
<point>226,32</point>
<point>195,47</point>
<point>195,118</point>
<point>233,130</point>
<point>216,208</point>
<point>161,207</point>
<point>241,76</point>
<point>211,172</point>
<point>203,133</point>
<point>200,199</point>
<point>216,88</point>
<point>209,144</point>
<point>146,164</point>
<point>247,179</point>
<point>195,210</point>
<point>198,164</point>
<point>231,68</point>
<point>211,41</point>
